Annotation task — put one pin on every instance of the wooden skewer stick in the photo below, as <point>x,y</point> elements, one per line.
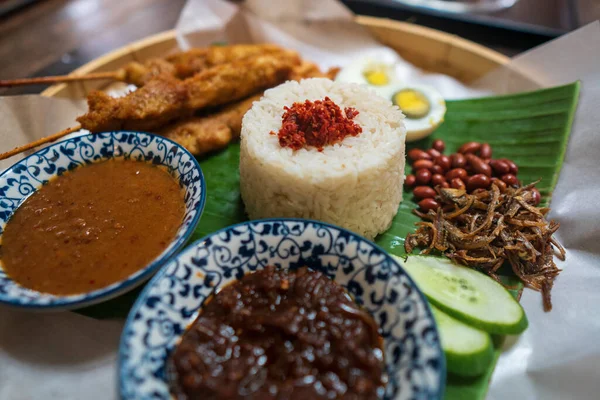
<point>39,142</point>
<point>115,75</point>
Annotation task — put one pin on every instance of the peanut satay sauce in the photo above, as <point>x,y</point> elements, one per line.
<point>277,334</point>
<point>92,226</point>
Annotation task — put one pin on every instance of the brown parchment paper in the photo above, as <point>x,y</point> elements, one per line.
<point>558,356</point>
<point>24,119</point>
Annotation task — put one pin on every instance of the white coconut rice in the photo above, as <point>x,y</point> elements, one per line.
<point>356,184</point>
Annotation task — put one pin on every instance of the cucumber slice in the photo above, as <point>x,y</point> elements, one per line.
<point>469,351</point>
<point>467,294</point>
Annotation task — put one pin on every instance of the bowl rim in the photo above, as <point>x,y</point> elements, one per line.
<point>159,275</point>
<point>129,283</point>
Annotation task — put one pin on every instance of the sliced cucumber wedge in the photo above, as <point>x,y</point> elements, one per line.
<point>469,351</point>
<point>466,294</point>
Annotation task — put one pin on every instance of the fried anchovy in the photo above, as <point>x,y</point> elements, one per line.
<point>488,228</point>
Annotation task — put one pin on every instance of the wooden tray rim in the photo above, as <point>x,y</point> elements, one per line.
<point>448,39</point>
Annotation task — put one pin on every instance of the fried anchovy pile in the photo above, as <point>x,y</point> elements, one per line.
<point>484,229</point>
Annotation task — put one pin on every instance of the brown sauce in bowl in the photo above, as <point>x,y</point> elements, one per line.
<point>91,227</point>
<point>277,334</point>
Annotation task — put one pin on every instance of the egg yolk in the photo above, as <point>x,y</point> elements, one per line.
<point>413,103</point>
<point>376,77</point>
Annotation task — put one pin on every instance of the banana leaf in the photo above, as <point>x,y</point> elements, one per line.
<point>532,129</point>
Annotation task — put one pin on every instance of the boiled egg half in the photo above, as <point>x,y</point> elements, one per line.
<point>377,74</point>
<point>423,106</point>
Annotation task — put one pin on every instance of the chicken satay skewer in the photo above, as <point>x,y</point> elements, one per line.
<point>39,142</point>
<point>180,65</point>
<point>112,75</point>
<point>166,98</point>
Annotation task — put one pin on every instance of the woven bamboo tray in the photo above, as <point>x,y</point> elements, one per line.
<point>426,48</point>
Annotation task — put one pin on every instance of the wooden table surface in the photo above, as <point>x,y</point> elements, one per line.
<point>60,35</point>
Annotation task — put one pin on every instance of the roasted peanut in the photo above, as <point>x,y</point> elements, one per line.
<point>536,197</point>
<point>410,180</point>
<point>513,167</point>
<point>457,183</point>
<point>456,173</point>
<point>510,180</point>
<point>439,145</point>
<point>479,181</point>
<point>418,154</point>
<point>433,153</point>
<point>420,164</point>
<point>485,151</point>
<point>437,179</point>
<point>478,165</point>
<point>469,147</point>
<point>458,160</point>
<point>423,176</point>
<point>428,204</point>
<point>445,185</point>
<point>444,162</point>
<point>424,192</point>
<point>500,183</point>
<point>436,169</point>
<point>500,167</point>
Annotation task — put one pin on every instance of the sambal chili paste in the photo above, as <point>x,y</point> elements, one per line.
<point>316,124</point>
<point>278,334</point>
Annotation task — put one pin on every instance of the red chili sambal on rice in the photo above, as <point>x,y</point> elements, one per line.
<point>316,124</point>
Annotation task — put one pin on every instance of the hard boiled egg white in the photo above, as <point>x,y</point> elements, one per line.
<point>377,74</point>
<point>423,106</point>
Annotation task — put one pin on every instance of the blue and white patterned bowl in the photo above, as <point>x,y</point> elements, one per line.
<point>28,175</point>
<point>171,301</point>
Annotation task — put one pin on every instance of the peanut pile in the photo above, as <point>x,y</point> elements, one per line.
<point>471,168</point>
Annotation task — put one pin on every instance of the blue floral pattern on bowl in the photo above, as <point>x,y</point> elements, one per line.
<point>414,360</point>
<point>29,174</point>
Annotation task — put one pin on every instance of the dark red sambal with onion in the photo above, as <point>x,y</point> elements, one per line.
<point>277,334</point>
